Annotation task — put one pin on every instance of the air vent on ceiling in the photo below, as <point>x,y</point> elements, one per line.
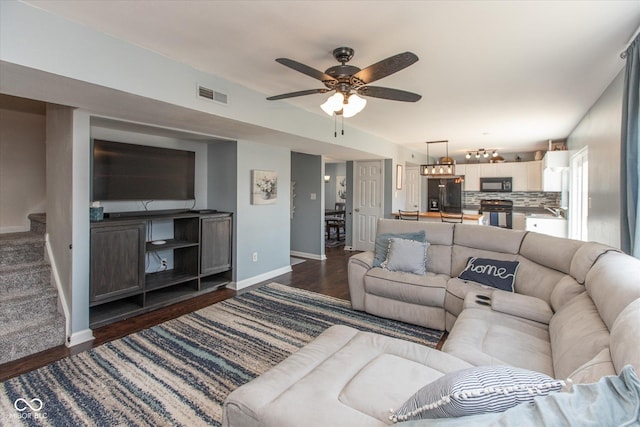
<point>212,95</point>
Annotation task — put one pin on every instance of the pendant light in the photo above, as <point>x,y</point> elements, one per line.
<point>443,168</point>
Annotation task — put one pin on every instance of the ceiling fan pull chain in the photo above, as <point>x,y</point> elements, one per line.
<point>343,124</point>
<point>335,126</point>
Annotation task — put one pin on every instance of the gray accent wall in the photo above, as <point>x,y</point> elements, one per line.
<point>264,229</point>
<point>307,224</point>
<point>600,130</point>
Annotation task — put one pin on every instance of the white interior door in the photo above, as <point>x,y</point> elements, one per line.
<point>413,181</point>
<point>579,196</point>
<point>367,203</point>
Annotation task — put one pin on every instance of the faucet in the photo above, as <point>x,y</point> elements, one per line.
<point>555,211</point>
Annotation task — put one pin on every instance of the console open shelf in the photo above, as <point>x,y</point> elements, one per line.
<point>119,285</point>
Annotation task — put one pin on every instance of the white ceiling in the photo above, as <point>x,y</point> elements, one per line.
<point>505,75</point>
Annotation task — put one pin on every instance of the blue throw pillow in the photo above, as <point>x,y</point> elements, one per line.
<point>491,272</point>
<point>382,244</point>
<point>409,256</point>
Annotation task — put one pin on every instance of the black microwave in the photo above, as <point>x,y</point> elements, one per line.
<point>496,185</point>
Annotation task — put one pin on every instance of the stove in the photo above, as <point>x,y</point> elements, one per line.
<point>497,212</point>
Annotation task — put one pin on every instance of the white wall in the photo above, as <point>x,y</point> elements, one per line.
<point>22,168</point>
<point>600,130</point>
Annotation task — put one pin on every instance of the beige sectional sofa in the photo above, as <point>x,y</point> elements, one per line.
<point>574,313</point>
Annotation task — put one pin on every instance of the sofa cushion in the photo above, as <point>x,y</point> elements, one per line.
<point>338,372</point>
<point>484,337</point>
<point>585,257</point>
<point>494,273</point>
<point>577,335</point>
<point>553,252</point>
<point>612,283</point>
<point>536,280</point>
<point>427,289</point>
<point>382,244</point>
<point>477,390</point>
<point>625,338</point>
<point>405,255</point>
<point>492,239</point>
<point>596,368</point>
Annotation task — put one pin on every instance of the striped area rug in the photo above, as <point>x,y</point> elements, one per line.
<point>179,373</point>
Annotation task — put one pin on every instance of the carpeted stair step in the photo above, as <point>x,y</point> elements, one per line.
<point>38,222</point>
<point>15,278</point>
<point>20,339</point>
<point>21,248</point>
<point>40,301</point>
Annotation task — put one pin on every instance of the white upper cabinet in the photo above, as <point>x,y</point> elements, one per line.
<point>471,176</point>
<point>527,176</point>
<point>534,175</point>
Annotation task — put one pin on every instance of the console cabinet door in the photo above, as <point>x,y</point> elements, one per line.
<point>117,261</point>
<point>215,245</point>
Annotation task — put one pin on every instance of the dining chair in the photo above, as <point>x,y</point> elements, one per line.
<point>451,217</point>
<point>409,215</point>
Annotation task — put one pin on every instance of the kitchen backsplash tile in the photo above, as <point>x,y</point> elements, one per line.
<point>520,199</point>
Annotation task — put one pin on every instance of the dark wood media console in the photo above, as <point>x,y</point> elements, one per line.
<point>119,286</point>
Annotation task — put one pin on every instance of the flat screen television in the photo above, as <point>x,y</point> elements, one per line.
<point>139,172</point>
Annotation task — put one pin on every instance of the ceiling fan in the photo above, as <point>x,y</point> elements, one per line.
<point>349,81</point>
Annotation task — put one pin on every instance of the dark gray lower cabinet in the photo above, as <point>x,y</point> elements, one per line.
<point>117,261</point>
<point>215,245</point>
<point>120,288</point>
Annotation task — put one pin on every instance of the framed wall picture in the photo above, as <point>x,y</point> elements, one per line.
<point>398,177</point>
<point>341,189</point>
<point>264,187</point>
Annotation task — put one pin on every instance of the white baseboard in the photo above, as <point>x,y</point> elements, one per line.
<point>308,256</point>
<point>259,278</point>
<point>14,229</point>
<point>81,337</point>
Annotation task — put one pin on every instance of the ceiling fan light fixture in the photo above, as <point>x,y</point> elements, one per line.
<point>354,105</point>
<point>468,155</point>
<point>333,104</point>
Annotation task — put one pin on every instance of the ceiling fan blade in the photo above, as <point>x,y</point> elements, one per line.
<point>305,69</point>
<point>385,67</point>
<point>299,93</point>
<point>388,93</point>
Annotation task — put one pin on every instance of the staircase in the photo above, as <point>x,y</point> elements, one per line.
<point>28,302</point>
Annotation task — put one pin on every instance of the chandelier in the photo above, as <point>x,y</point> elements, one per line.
<point>444,167</point>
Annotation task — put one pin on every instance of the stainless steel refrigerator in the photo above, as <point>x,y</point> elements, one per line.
<point>444,194</point>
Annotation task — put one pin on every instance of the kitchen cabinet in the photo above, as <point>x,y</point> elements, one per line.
<point>534,175</point>
<point>547,225</point>
<point>552,180</point>
<point>518,221</point>
<point>471,173</point>
<point>527,176</point>
<point>489,170</point>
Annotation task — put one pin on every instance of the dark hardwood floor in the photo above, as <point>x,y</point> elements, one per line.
<point>328,277</point>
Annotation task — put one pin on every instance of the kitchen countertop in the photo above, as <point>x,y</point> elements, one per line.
<point>529,211</point>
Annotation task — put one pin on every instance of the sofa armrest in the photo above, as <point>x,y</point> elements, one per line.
<point>522,306</point>
<point>365,259</point>
<point>357,268</point>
